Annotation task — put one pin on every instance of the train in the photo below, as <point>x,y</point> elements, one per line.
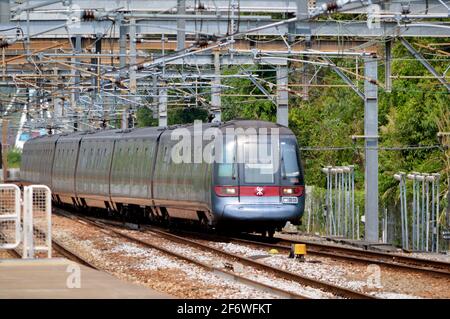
<point>147,174</point>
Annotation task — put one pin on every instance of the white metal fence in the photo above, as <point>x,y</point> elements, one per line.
<point>9,216</point>
<point>26,222</point>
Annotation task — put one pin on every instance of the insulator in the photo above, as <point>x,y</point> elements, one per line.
<point>201,6</point>
<point>201,43</point>
<point>332,6</point>
<point>4,44</point>
<point>88,15</point>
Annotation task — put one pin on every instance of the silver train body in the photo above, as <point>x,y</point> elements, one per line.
<point>132,172</point>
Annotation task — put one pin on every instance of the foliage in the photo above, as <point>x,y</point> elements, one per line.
<point>411,114</point>
<point>14,158</point>
<point>144,116</point>
<point>241,106</point>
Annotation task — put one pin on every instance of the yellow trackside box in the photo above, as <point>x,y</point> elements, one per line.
<point>299,249</point>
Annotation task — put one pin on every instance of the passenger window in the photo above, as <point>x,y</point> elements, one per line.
<point>166,154</point>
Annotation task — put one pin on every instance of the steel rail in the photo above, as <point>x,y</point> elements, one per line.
<point>69,254</point>
<point>303,280</point>
<point>353,254</point>
<point>221,272</point>
<point>58,248</point>
<point>66,252</point>
<point>12,252</point>
<point>391,259</point>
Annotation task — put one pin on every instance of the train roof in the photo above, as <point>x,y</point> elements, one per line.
<point>246,124</point>
<point>155,131</point>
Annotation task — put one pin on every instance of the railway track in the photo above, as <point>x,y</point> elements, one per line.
<point>432,267</point>
<point>60,249</point>
<point>14,253</point>
<point>302,280</point>
<point>65,252</point>
<point>103,226</point>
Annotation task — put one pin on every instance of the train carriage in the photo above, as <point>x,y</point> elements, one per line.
<point>133,172</point>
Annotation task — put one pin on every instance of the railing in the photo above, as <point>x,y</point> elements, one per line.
<point>27,222</point>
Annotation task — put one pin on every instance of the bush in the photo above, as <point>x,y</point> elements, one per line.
<point>14,158</point>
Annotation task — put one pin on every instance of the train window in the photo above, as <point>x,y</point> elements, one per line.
<point>289,161</point>
<point>167,154</point>
<point>258,163</point>
<point>225,170</point>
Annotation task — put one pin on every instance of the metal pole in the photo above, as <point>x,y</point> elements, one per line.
<point>437,211</point>
<point>422,226</point>
<point>336,203</point>
<point>353,201</point>
<point>132,70</point>
<point>400,179</point>
<point>327,201</point>
<point>405,212</point>
<point>162,109</point>
<point>308,199</point>
<point>282,95</point>
<point>414,215</point>
<point>339,200</point>
<point>371,151</point>
<point>347,200</point>
<point>388,64</point>
<point>418,212</point>
<point>330,212</point>
<point>433,214</point>
<point>216,102</point>
<point>427,216</point>
<point>181,25</point>
<point>5,11</point>
<point>357,222</point>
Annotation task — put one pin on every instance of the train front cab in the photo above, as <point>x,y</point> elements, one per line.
<point>251,196</point>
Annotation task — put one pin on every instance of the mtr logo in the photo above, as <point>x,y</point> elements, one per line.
<point>259,191</point>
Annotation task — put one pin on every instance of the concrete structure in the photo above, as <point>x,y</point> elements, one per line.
<point>50,278</point>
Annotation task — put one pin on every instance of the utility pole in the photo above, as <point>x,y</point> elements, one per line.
<point>388,65</point>
<point>162,106</point>
<point>216,102</point>
<point>371,148</point>
<point>282,95</point>
<point>75,97</point>
<point>132,71</point>
<point>5,11</point>
<point>444,138</point>
<point>181,25</point>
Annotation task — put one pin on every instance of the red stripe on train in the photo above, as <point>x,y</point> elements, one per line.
<point>259,190</point>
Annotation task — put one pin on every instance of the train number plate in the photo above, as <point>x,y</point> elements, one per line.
<point>289,200</point>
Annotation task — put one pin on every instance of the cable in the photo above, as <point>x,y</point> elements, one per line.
<point>380,148</point>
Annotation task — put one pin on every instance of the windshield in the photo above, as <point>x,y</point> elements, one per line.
<point>226,168</point>
<point>290,169</point>
<point>259,166</point>
<point>254,162</point>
